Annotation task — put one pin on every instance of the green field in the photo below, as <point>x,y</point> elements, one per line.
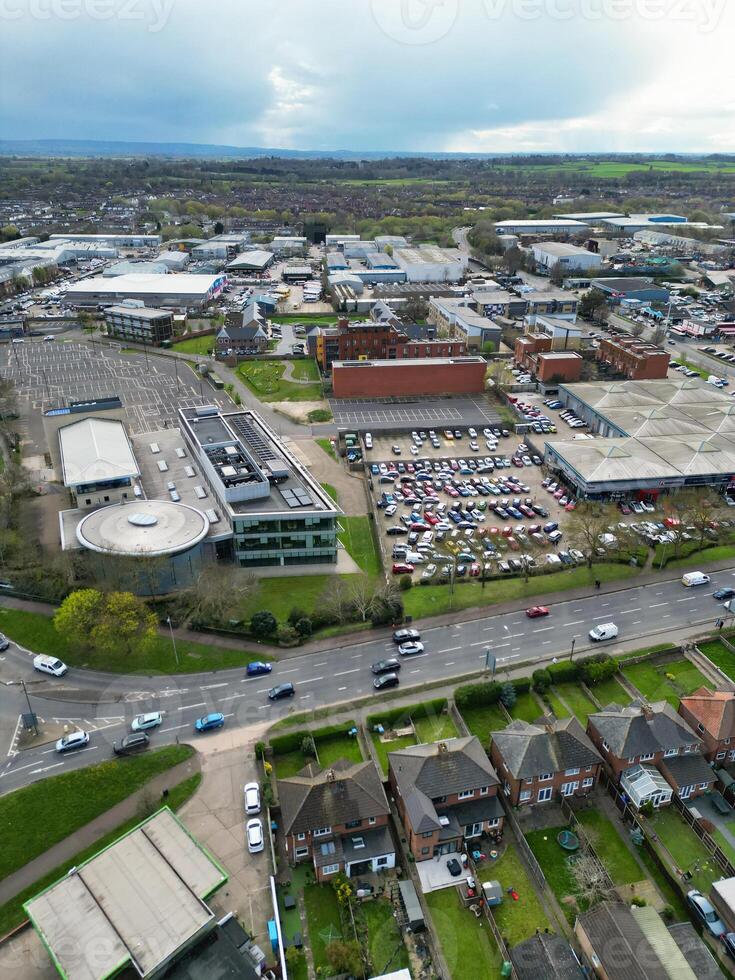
<point>610,848</point>
<point>526,708</point>
<point>195,345</point>
<point>322,915</point>
<point>555,864</point>
<point>720,656</point>
<point>610,691</point>
<point>329,749</point>
<point>578,702</point>
<point>37,633</point>
<point>654,684</point>
<point>387,949</point>
<point>305,370</point>
<point>265,380</point>
<point>357,537</point>
<point>687,850</point>
<point>552,698</point>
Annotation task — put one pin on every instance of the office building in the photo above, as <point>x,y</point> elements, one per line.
<point>379,341</point>
<point>412,376</point>
<point>460,319</point>
<point>138,323</point>
<point>97,461</point>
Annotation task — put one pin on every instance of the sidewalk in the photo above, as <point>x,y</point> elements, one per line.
<point>66,849</point>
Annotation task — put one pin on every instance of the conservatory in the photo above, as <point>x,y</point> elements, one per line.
<point>642,784</point>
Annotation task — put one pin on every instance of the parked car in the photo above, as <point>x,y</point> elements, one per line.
<point>5,643</point>
<point>143,723</point>
<point>705,912</point>
<point>402,568</point>
<point>721,594</point>
<point>281,691</point>
<point>454,867</point>
<point>131,744</point>
<point>74,740</point>
<point>255,835</point>
<point>258,667</point>
<point>209,722</point>
<point>47,665</point>
<point>251,793</point>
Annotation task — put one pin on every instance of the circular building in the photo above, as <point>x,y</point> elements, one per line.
<point>169,533</point>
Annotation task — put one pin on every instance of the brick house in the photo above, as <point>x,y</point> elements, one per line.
<point>248,330</point>
<point>711,715</point>
<point>446,793</point>
<point>652,734</point>
<point>337,818</point>
<point>544,761</point>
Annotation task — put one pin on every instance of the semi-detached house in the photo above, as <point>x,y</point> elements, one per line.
<point>711,714</point>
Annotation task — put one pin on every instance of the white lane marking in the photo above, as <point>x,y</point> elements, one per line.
<point>293,670</point>
<point>450,663</point>
<point>636,622</point>
<point>575,623</point>
<point>486,629</point>
<point>605,603</point>
<point>174,728</point>
<point>209,687</point>
<point>414,671</point>
<point>16,733</point>
<point>341,688</point>
<point>340,673</point>
<point>46,768</point>
<point>450,649</point>
<point>262,690</point>
<point>304,697</point>
<point>199,704</point>
<point>689,598</point>
<point>313,680</point>
<point>544,629</point>
<point>656,605</point>
<point>628,612</point>
<point>231,697</point>
<point>9,772</point>
<point>322,663</point>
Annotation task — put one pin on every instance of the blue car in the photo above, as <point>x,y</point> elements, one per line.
<point>257,667</point>
<point>209,722</point>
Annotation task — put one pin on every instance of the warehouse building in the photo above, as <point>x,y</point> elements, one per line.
<point>429,263</point>
<point>569,258</point>
<point>98,465</point>
<point>412,376</point>
<point>126,267</point>
<point>652,437</point>
<point>174,260</point>
<point>138,323</point>
<point>115,240</point>
<point>177,291</point>
<point>540,226</point>
<point>638,288</point>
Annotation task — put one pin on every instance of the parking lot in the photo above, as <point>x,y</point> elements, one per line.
<point>150,389</point>
<point>407,413</point>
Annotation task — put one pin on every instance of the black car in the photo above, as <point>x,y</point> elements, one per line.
<point>386,666</point>
<point>384,681</point>
<point>396,529</point>
<point>720,594</point>
<point>130,744</point>
<point>406,635</point>
<point>454,867</point>
<point>281,691</point>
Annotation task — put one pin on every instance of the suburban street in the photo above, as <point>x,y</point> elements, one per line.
<point>105,704</point>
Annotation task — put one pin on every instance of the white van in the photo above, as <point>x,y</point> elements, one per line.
<point>694,578</point>
<point>50,665</point>
<point>606,631</point>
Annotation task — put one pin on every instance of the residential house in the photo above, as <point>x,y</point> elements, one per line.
<point>711,714</point>
<point>623,942</point>
<point>545,956</point>
<point>337,818</point>
<point>629,737</point>
<point>245,331</point>
<point>544,761</point>
<point>446,793</point>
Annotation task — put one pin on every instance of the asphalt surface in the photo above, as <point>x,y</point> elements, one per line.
<point>409,413</point>
<point>104,704</point>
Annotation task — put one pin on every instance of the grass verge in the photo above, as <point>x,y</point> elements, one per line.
<point>357,537</point>
<point>265,380</point>
<point>195,345</point>
<point>326,445</point>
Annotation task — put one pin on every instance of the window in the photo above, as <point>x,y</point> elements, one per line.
<point>605,746</point>
<point>353,824</point>
<point>371,820</point>
<point>669,752</point>
<point>493,823</point>
<point>465,794</point>
<point>544,794</point>
<point>300,836</point>
<point>545,776</point>
<point>330,869</point>
<point>302,852</point>
<point>321,831</point>
<point>484,790</point>
<point>586,783</point>
<point>568,789</point>
<point>571,772</point>
<point>700,727</point>
<point>381,862</point>
<point>632,759</point>
<point>647,757</point>
<point>429,833</point>
<point>424,850</point>
<point>727,741</point>
<point>529,782</point>
<point>703,785</point>
<point>525,795</point>
<point>588,769</point>
<point>358,842</point>
<point>720,755</point>
<point>473,830</point>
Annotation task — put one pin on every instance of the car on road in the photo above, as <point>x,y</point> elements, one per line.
<point>281,691</point>
<point>254,830</point>
<point>258,667</point>
<point>386,666</point>
<point>142,723</point>
<point>410,649</point>
<point>406,635</point>
<point>251,793</point>
<point>5,643</point>
<point>385,681</point>
<point>49,665</point>
<point>705,912</point>
<point>209,722</point>
<point>535,611</point>
<point>454,867</point>
<point>131,744</point>
<point>721,594</point>
<point>74,740</point>
<point>606,631</point>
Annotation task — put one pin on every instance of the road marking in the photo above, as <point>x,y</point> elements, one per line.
<point>358,656</point>
<point>340,673</point>
<point>46,768</point>
<point>659,593</point>
<point>293,670</point>
<point>656,605</point>
<point>636,622</point>
<point>450,663</point>
<point>304,697</point>
<point>262,690</point>
<point>174,728</point>
<point>414,671</point>
<point>450,649</point>
<point>200,704</point>
<point>16,734</point>
<point>322,663</point>
<point>487,628</point>
<point>605,603</point>
<point>689,598</point>
<point>312,680</point>
<point>231,697</point>
<point>545,629</point>
<point>628,612</point>
<point>209,687</point>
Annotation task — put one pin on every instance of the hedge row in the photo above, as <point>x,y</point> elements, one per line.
<point>290,742</point>
<point>427,709</point>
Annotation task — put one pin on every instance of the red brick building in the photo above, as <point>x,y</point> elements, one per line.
<point>635,359</point>
<point>711,714</point>
<point>378,340</point>
<point>413,376</point>
<point>534,352</point>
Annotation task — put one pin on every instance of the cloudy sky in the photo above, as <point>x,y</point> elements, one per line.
<point>453,75</point>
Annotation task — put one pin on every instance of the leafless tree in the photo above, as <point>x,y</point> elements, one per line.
<point>220,593</point>
<point>585,526</point>
<point>593,884</point>
<point>334,600</point>
<point>361,596</point>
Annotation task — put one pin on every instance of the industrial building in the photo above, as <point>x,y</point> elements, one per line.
<point>257,260</point>
<point>589,217</point>
<point>569,258</point>
<point>138,323</point>
<point>220,248</point>
<point>116,240</point>
<point>97,461</point>
<point>638,288</point>
<point>174,260</point>
<point>540,226</point>
<point>135,906</point>
<point>651,437</point>
<point>635,359</point>
<point>412,376</point>
<point>429,263</point>
<point>127,266</point>
<point>177,291</point>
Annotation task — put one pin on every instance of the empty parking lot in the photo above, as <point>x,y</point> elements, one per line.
<point>407,413</point>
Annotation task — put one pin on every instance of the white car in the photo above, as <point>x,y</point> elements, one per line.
<point>254,830</point>
<point>252,798</point>
<point>74,740</point>
<point>141,723</point>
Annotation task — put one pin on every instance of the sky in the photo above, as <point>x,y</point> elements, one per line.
<point>414,75</point>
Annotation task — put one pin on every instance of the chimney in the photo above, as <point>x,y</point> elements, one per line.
<point>442,748</point>
<point>646,710</point>
<point>330,775</point>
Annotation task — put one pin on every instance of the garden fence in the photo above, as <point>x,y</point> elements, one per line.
<point>709,842</point>
<point>530,858</point>
<point>586,842</point>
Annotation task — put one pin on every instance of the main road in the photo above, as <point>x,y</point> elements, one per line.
<point>105,704</point>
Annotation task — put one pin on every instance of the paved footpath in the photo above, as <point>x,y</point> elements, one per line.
<point>85,836</point>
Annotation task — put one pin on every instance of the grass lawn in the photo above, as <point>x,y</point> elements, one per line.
<point>719,552</point>
<point>387,950</point>
<point>281,595</point>
<point>686,848</point>
<point>305,370</point>
<point>36,632</point>
<point>289,763</point>
<point>610,691</point>
<point>195,345</point>
<point>322,913</point>
<point>526,708</point>
<point>720,656</point>
<point>339,747</point>
<point>610,848</point>
<point>265,380</point>
<point>555,865</point>
<point>38,816</point>
<point>12,913</point>
<point>383,748</point>
<point>332,491</point>
<point>652,682</point>
<point>725,845</point>
<point>358,539</point>
<point>433,729</point>
<point>516,920</point>
<point>326,445</point>
<point>432,600</point>
<point>483,719</point>
<point>577,701</point>
<point>469,949</point>
<point>556,706</point>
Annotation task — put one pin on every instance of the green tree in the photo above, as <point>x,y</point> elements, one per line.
<point>508,696</point>
<point>78,615</point>
<point>345,957</point>
<point>126,623</point>
<point>263,624</point>
<point>590,301</point>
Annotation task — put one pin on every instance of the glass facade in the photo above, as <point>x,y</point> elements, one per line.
<point>303,540</point>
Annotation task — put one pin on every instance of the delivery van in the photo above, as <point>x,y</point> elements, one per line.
<point>606,631</point>
<point>694,578</point>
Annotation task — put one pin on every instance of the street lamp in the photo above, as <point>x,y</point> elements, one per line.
<point>173,639</point>
<point>571,653</point>
<point>31,712</point>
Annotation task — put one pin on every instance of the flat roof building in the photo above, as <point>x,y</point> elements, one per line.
<point>97,461</point>
<point>143,528</point>
<point>631,287</point>
<point>540,226</point>
<point>412,376</point>
<point>549,255</point>
<point>178,291</point>
<point>257,260</point>
<point>125,240</point>
<point>137,904</point>
<point>140,324</point>
<point>430,263</point>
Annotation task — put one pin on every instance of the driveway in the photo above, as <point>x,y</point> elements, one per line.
<point>216,817</point>
<point>434,874</point>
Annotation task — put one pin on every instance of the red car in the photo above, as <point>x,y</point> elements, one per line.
<point>624,509</point>
<point>572,505</point>
<point>474,569</point>
<point>402,568</point>
<point>535,611</point>
<point>516,462</point>
<point>431,518</point>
